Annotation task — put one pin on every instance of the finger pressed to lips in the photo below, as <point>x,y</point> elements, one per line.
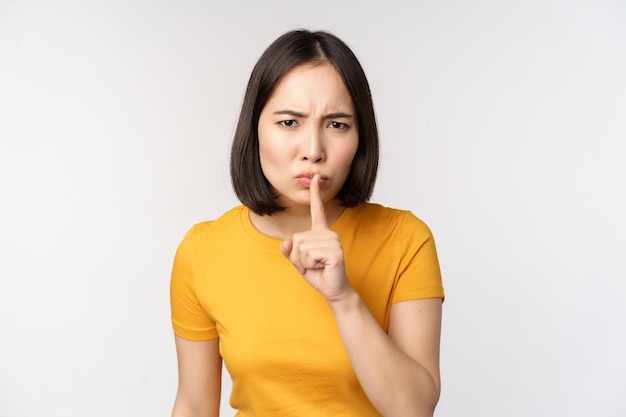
<point>318,216</point>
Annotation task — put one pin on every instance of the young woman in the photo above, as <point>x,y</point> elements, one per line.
<point>319,303</point>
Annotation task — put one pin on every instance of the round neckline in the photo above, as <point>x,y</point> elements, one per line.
<point>267,241</point>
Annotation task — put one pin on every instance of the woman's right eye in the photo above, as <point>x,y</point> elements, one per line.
<point>288,123</point>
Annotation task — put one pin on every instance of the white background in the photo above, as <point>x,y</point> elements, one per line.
<point>503,126</point>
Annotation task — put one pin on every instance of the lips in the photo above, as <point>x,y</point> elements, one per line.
<point>306,178</point>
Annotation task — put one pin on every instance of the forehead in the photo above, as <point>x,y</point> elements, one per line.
<point>311,86</point>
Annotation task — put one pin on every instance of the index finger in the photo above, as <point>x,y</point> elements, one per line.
<point>318,215</point>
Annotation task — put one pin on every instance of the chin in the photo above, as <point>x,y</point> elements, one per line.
<point>293,200</point>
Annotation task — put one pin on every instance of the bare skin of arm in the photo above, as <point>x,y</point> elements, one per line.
<point>398,370</point>
<point>199,378</point>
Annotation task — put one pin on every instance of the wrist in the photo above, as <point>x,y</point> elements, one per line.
<point>348,302</point>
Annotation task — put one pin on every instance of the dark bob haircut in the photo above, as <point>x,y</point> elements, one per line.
<point>295,48</point>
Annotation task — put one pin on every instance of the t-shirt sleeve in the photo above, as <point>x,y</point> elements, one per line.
<point>189,319</point>
<point>419,275</point>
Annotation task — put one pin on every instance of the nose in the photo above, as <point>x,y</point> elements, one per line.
<point>313,146</point>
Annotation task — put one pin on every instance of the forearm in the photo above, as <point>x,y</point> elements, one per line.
<point>396,384</point>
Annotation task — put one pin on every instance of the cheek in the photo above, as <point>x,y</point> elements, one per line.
<point>350,152</point>
<point>265,143</point>
<point>274,157</point>
<point>270,152</point>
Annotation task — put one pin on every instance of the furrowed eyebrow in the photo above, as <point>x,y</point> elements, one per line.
<point>338,116</point>
<point>293,113</point>
<point>290,113</point>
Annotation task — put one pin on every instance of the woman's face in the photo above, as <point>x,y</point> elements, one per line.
<point>308,126</point>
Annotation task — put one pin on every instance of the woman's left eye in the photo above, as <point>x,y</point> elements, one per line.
<point>338,125</point>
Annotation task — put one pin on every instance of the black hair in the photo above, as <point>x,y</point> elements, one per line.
<point>295,48</point>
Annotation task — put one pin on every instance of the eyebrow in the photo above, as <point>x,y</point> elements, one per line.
<point>338,115</point>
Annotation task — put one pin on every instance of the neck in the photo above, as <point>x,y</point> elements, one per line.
<point>284,224</point>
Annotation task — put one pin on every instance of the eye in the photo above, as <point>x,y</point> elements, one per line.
<point>288,123</point>
<point>338,125</point>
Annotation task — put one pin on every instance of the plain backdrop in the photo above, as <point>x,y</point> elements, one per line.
<point>503,126</point>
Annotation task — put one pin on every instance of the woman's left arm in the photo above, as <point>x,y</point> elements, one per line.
<point>398,370</point>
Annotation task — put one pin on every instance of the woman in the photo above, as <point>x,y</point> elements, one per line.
<point>319,303</point>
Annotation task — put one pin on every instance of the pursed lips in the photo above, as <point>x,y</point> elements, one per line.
<point>310,175</point>
<point>305,178</point>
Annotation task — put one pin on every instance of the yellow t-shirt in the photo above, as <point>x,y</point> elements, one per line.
<point>277,334</point>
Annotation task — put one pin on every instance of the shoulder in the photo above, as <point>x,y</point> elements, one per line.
<point>379,216</point>
<point>203,231</point>
<point>232,216</point>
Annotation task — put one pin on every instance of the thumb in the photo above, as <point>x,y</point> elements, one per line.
<point>286,247</point>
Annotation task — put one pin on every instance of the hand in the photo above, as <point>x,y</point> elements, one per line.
<point>317,254</point>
